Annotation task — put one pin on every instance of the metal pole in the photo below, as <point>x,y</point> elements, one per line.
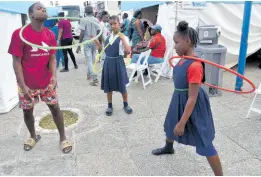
<point>176,14</point>
<point>244,43</point>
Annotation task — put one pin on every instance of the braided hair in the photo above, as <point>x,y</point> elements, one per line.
<point>186,31</point>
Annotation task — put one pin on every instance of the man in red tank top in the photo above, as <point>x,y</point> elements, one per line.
<point>157,45</point>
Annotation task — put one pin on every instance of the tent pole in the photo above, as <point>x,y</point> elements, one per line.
<point>243,43</point>
<point>176,16</point>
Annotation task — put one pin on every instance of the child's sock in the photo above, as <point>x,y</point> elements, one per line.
<point>169,145</point>
<point>125,104</point>
<point>109,105</point>
<point>109,110</point>
<point>167,149</point>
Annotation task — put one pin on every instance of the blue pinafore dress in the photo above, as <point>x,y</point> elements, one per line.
<point>199,130</point>
<point>114,74</point>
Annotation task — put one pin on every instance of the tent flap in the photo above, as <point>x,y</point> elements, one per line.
<point>16,6</point>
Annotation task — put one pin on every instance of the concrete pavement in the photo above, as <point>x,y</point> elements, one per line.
<point>122,144</point>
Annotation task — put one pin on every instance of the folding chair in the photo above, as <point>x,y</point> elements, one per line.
<point>139,68</point>
<point>154,67</point>
<point>252,108</point>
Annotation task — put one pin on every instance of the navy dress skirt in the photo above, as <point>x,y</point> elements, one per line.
<point>114,74</point>
<point>199,130</point>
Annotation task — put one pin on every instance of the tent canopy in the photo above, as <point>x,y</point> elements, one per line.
<point>20,7</point>
<point>128,5</point>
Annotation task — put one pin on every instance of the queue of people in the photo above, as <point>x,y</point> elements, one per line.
<point>142,37</point>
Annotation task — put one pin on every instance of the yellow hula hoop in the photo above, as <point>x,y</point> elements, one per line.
<point>60,47</point>
<point>99,55</point>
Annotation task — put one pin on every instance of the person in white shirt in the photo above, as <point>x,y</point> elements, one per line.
<point>88,31</point>
<point>104,23</point>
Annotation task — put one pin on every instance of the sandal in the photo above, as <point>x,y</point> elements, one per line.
<point>30,143</point>
<point>66,146</point>
<point>94,82</point>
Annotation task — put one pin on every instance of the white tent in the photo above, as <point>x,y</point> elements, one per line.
<point>228,16</point>
<point>10,20</point>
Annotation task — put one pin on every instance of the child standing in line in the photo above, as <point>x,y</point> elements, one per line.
<point>114,74</point>
<point>189,119</point>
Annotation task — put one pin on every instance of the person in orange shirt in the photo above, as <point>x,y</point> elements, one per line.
<point>158,46</point>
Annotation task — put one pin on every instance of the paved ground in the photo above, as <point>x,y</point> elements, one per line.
<point>122,144</point>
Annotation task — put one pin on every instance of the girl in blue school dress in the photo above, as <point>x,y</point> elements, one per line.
<point>114,74</point>
<point>189,119</point>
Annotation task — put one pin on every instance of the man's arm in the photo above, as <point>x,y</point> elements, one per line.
<point>16,49</point>
<point>82,28</point>
<point>81,36</point>
<point>52,62</point>
<point>18,69</point>
<point>52,65</point>
<point>139,28</point>
<point>97,42</point>
<point>17,65</point>
<point>60,34</point>
<point>101,38</point>
<point>80,40</point>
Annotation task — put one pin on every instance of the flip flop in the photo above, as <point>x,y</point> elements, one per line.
<point>66,146</point>
<point>30,143</point>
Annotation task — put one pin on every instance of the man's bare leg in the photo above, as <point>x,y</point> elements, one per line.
<point>29,121</point>
<point>59,122</point>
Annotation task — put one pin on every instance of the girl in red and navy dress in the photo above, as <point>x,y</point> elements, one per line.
<point>189,119</point>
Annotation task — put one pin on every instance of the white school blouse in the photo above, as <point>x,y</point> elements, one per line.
<point>121,46</point>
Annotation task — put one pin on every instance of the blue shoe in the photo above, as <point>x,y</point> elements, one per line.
<point>128,110</point>
<point>109,111</point>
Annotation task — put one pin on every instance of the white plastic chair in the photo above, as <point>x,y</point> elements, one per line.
<point>252,108</point>
<point>139,68</point>
<point>154,67</point>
